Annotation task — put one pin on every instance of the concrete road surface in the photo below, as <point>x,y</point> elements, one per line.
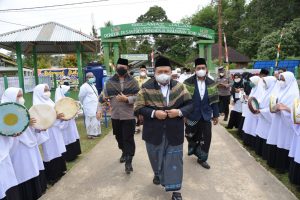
<point>234,175</point>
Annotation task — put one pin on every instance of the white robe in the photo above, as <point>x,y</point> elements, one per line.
<point>295,145</point>
<point>281,131</point>
<point>25,156</point>
<point>265,116</point>
<point>89,98</point>
<point>7,174</point>
<point>54,146</point>
<point>70,132</point>
<point>251,119</point>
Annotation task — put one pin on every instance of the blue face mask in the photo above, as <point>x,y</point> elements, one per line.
<point>91,80</point>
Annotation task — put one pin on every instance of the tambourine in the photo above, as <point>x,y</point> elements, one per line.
<point>14,119</point>
<point>253,105</point>
<point>296,111</point>
<point>273,103</point>
<point>44,114</point>
<point>68,106</point>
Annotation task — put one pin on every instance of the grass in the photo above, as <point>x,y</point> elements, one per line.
<point>283,178</point>
<point>87,144</point>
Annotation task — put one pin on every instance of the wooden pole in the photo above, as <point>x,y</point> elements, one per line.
<point>220,31</point>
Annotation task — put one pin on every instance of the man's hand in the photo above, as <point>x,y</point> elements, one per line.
<point>99,115</point>
<point>160,114</point>
<point>32,121</point>
<point>173,113</point>
<point>215,120</point>
<point>122,98</point>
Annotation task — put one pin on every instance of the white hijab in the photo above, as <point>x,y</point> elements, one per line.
<point>38,97</point>
<point>290,92</point>
<point>258,91</point>
<point>10,95</point>
<point>271,83</point>
<point>61,91</point>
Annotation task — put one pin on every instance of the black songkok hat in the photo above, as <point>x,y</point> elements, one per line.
<point>200,61</point>
<point>162,61</point>
<point>264,72</point>
<point>122,61</point>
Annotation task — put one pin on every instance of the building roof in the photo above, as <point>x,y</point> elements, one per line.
<point>7,60</point>
<point>233,55</point>
<point>49,37</point>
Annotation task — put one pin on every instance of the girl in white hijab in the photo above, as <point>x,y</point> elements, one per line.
<point>8,180</point>
<point>264,117</point>
<point>70,133</point>
<point>294,154</point>
<point>281,131</point>
<point>25,155</point>
<point>251,119</point>
<point>55,164</point>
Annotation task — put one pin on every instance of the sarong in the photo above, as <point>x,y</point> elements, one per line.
<point>93,127</point>
<point>167,163</point>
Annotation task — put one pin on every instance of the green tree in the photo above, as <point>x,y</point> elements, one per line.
<point>289,43</point>
<point>261,18</point>
<point>69,61</point>
<point>44,61</point>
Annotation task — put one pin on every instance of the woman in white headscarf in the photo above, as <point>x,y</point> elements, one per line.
<point>281,131</point>
<point>264,117</point>
<point>294,154</point>
<point>251,119</point>
<point>55,164</point>
<point>8,180</point>
<point>25,155</point>
<point>70,133</point>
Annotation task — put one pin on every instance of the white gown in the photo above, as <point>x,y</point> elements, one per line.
<point>7,174</point>
<point>26,157</point>
<point>55,146</point>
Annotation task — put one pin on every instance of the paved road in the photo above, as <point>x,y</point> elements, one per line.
<point>234,175</point>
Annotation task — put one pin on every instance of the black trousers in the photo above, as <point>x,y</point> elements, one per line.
<point>224,105</point>
<point>199,139</point>
<point>124,133</point>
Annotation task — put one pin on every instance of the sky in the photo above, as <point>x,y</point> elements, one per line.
<point>117,11</point>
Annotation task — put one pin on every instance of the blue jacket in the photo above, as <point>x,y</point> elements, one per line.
<point>202,108</point>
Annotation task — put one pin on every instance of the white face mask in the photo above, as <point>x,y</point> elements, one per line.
<point>282,84</point>
<point>163,78</point>
<point>221,74</point>
<point>143,74</point>
<point>21,101</point>
<point>47,95</point>
<point>201,73</point>
<point>237,80</point>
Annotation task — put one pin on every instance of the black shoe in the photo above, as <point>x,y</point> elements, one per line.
<point>176,196</point>
<point>203,164</point>
<point>128,168</point>
<point>156,180</point>
<point>122,159</point>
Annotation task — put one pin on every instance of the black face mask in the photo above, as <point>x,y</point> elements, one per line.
<point>121,71</point>
<point>66,83</point>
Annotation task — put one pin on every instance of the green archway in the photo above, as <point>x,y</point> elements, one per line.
<point>111,34</point>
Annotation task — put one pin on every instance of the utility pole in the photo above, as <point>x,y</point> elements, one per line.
<point>220,31</point>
